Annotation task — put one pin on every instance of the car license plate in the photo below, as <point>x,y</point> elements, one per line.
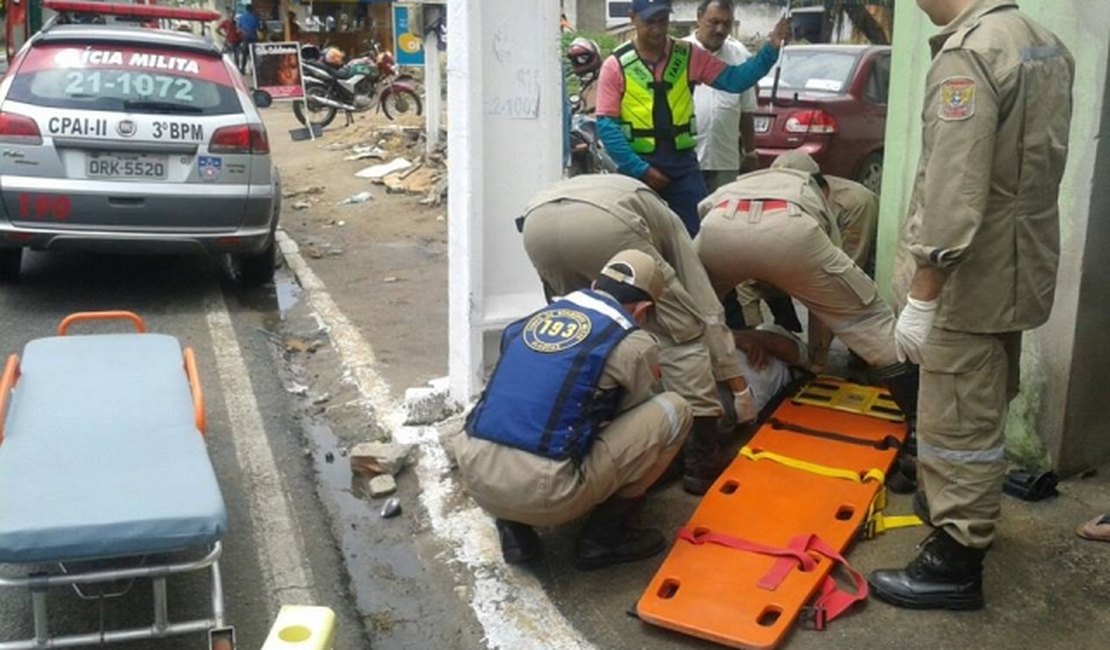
<point>126,165</point>
<point>762,123</point>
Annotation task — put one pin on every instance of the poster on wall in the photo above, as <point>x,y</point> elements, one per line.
<point>277,69</point>
<point>408,39</point>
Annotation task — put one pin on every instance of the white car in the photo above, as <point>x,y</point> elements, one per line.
<point>123,138</point>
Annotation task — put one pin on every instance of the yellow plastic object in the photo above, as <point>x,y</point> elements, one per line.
<point>300,627</point>
<point>841,395</point>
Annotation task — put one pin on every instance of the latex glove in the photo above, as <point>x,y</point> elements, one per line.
<point>913,327</point>
<point>744,405</point>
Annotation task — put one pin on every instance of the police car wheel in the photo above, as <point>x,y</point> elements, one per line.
<point>258,269</point>
<point>10,261</point>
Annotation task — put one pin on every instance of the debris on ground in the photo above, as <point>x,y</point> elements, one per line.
<point>428,404</point>
<point>389,279</point>
<point>381,485</point>
<point>362,153</point>
<point>308,191</point>
<point>391,508</point>
<point>301,205</point>
<point>375,172</point>
<point>361,197</point>
<point>380,457</point>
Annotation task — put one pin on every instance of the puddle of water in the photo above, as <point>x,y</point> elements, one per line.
<point>288,292</point>
<point>376,550</point>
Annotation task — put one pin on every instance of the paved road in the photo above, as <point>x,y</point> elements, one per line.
<point>255,441</point>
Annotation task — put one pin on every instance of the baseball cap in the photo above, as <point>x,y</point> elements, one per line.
<point>796,159</point>
<point>635,268</point>
<point>645,9</point>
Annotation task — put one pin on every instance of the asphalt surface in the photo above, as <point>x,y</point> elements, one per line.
<point>183,297</point>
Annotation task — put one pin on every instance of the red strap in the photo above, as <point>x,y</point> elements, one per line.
<point>832,601</point>
<point>744,205</point>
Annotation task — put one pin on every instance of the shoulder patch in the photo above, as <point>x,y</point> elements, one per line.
<point>957,98</point>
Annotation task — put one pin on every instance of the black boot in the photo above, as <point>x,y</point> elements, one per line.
<point>944,575</point>
<point>607,539</point>
<point>519,542</point>
<point>703,457</point>
<point>902,381</point>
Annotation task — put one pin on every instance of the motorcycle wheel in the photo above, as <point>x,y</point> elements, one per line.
<point>320,116</point>
<point>400,102</point>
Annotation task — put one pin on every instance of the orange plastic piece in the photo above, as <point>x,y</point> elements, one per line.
<point>711,591</point>
<point>135,319</point>
<point>7,383</point>
<point>195,389</point>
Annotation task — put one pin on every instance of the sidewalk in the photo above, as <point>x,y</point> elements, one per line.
<point>1045,587</point>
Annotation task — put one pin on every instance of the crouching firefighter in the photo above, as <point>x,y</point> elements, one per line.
<point>571,423</point>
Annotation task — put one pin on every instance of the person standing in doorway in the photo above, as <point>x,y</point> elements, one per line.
<point>983,229</point>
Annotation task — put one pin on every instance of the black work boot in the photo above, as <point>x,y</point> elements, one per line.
<point>944,575</point>
<point>519,542</point>
<point>902,380</point>
<point>703,456</point>
<point>607,539</point>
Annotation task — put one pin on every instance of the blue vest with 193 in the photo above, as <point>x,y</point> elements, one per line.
<point>543,396</point>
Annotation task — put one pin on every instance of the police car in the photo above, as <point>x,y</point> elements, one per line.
<point>126,138</point>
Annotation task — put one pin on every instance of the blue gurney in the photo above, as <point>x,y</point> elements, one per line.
<point>102,456</point>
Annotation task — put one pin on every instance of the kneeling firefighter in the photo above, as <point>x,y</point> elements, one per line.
<point>571,422</point>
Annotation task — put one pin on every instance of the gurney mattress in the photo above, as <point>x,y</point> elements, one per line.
<point>101,456</point>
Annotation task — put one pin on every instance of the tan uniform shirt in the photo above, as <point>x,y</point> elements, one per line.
<point>996,119</point>
<point>697,310</point>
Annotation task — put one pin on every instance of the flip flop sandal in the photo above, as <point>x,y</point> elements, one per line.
<point>1097,529</point>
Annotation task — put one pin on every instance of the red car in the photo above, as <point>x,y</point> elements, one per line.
<point>831,101</point>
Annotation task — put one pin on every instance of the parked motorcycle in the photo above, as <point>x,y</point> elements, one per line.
<point>587,153</point>
<point>356,86</point>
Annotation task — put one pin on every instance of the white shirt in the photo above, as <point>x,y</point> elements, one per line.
<point>718,113</point>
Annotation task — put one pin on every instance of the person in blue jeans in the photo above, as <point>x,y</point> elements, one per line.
<point>645,104</point>
<point>249,25</point>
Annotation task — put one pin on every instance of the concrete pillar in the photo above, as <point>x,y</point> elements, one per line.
<point>505,144</point>
<point>433,91</point>
<point>1062,411</point>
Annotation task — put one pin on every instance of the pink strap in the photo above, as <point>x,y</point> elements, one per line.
<point>832,601</point>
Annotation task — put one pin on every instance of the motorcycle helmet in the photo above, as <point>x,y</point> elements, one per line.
<point>334,56</point>
<point>585,58</point>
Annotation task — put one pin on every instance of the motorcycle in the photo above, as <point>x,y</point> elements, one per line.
<point>362,83</point>
<point>587,153</point>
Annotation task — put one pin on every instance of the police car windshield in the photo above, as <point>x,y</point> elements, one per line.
<point>124,79</point>
<point>813,71</point>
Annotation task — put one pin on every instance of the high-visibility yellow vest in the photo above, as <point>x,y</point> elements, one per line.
<point>641,91</point>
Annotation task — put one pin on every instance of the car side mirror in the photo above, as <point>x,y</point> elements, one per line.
<point>261,98</point>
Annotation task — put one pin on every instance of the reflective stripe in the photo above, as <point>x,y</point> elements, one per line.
<point>672,417</point>
<point>589,302</point>
<point>996,455</point>
<point>1040,53</point>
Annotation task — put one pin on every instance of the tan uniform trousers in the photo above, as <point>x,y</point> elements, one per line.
<point>624,461</point>
<point>792,252</point>
<point>967,380</point>
<point>569,247</point>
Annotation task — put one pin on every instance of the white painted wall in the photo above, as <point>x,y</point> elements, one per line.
<point>504,98</point>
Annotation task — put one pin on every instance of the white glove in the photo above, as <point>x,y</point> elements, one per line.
<point>744,405</point>
<point>913,327</point>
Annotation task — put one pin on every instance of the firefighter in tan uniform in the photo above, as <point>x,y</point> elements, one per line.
<point>856,212</point>
<point>775,226</point>
<point>983,228</point>
<point>572,418</point>
<point>572,228</point>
